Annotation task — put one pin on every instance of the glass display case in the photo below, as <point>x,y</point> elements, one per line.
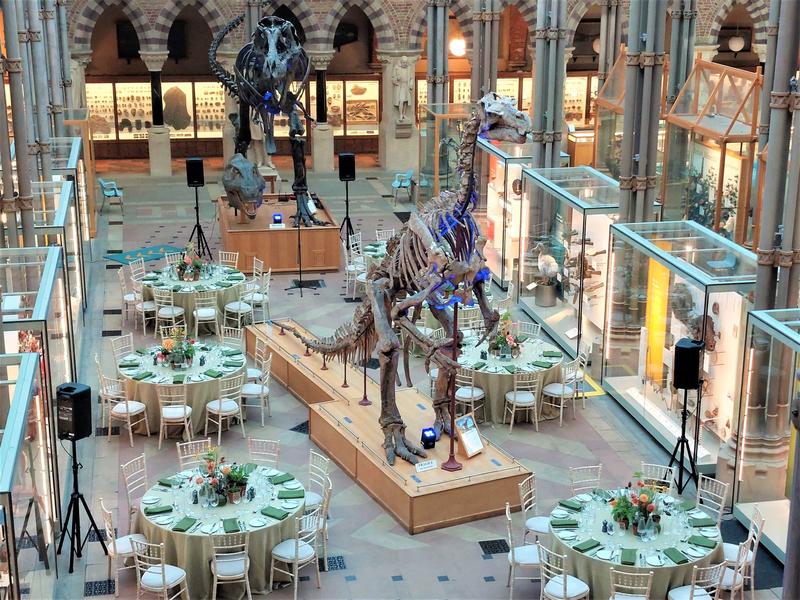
<point>564,247</point>
<point>608,123</point>
<point>209,112</point>
<point>498,173</point>
<point>580,92</point>
<point>100,101</point>
<point>29,490</point>
<point>439,138</point>
<point>133,108</point>
<point>710,149</point>
<point>78,124</point>
<point>667,281</point>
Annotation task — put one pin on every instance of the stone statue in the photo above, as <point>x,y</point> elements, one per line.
<point>403,82</point>
<point>258,150</point>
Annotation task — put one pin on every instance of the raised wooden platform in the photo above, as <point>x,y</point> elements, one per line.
<point>350,435</point>
<point>321,249</point>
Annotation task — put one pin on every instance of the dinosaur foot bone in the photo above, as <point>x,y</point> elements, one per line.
<point>441,423</point>
<point>396,445</point>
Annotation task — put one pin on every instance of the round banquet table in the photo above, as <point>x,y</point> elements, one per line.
<point>495,375</point>
<point>374,253</point>
<point>201,386</point>
<point>192,551</point>
<point>595,571</point>
<point>225,282</point>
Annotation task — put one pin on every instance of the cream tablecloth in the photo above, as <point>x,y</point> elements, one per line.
<point>495,380</point>
<point>192,551</point>
<point>374,253</point>
<point>184,291</point>
<point>595,572</point>
<point>200,388</point>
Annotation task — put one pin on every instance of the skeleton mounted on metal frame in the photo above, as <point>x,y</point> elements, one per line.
<point>436,258</point>
<point>270,76</point>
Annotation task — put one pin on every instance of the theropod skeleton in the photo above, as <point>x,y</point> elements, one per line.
<point>437,258</point>
<point>270,77</point>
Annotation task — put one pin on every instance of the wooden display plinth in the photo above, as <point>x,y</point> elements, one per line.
<point>350,435</point>
<point>321,249</point>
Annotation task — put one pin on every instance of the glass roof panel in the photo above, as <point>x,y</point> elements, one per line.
<point>584,187</point>
<point>612,94</point>
<point>783,324</point>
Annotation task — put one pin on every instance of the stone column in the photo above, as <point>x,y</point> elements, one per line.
<point>399,138</point>
<point>76,90</point>
<point>322,137</point>
<point>27,80</point>
<point>9,203</point>
<point>681,49</point>
<point>226,58</point>
<point>437,52</point>
<point>610,37</point>
<point>53,52</point>
<point>485,42</point>
<point>158,135</point>
<point>39,72</point>
<point>63,42</point>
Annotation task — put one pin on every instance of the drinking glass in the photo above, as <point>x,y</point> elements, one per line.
<point>214,500</point>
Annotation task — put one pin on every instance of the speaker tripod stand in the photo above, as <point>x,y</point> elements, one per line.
<point>202,243</point>
<point>347,226</point>
<point>684,450</point>
<point>72,521</point>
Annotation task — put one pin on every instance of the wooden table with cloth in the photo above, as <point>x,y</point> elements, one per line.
<point>142,378</point>
<point>168,515</point>
<point>687,538</point>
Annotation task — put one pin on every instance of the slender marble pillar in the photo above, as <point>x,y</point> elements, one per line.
<point>158,135</point>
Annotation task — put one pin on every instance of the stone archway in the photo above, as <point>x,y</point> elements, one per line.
<point>374,11</point>
<point>304,14</point>
<point>207,8</point>
<point>93,9</point>
<point>459,9</point>
<point>757,9</point>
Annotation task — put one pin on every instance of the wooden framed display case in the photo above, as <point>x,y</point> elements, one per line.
<point>710,149</point>
<point>29,485</point>
<point>498,172</point>
<point>439,139</point>
<point>568,214</point>
<point>79,119</point>
<point>666,281</point>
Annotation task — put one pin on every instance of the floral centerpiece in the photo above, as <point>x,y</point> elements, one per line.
<point>633,507</point>
<point>191,264</point>
<point>177,351</point>
<point>221,479</point>
<point>505,342</point>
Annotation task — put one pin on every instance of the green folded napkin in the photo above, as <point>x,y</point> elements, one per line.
<point>235,276</point>
<point>141,352</point>
<point>167,482</point>
<point>200,287</point>
<point>478,365</point>
<point>279,479</point>
<point>551,354</point>
<point>184,524</point>
<point>699,540</point>
<point>604,494</point>
<point>571,504</point>
<point>702,522</point>
<point>232,270</point>
<point>230,525</point>
<point>563,523</point>
<point>290,494</point>
<point>149,277</point>
<point>586,545</point>
<point>541,364</point>
<point>232,364</point>
<point>522,338</point>
<point>676,556</point>
<point>177,287</point>
<point>225,284</point>
<point>158,271</point>
<point>157,510</point>
<point>510,368</point>
<point>274,513</point>
<point>687,505</point>
<point>142,375</point>
<point>628,556</point>
<point>213,373</point>
<point>128,364</point>
<point>179,378</point>
<point>249,468</point>
<point>231,352</point>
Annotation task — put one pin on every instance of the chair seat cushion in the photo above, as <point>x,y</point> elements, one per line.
<point>124,544</point>
<point>129,297</point>
<point>627,597</point>
<point>312,499</point>
<point>231,565</point>
<point>557,389</point>
<point>355,267</point>
<point>223,407</point>
<point>131,406</point>
<point>146,306</point>
<point>238,306</point>
<point>521,398</point>
<point>167,312</point>
<point>469,392</point>
<point>685,593</point>
<point>176,412</point>
<point>255,297</point>
<point>575,587</point>
<point>205,313</point>
<point>730,579</point>
<point>538,524</point>
<point>526,555</point>
<point>254,389</point>
<point>285,551</point>
<point>253,373</point>
<point>731,552</point>
<point>151,578</point>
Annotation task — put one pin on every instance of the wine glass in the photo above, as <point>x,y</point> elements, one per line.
<point>214,499</point>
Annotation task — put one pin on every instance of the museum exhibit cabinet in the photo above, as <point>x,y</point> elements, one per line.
<point>667,281</point>
<point>29,490</point>
<point>498,173</point>
<point>508,84</point>
<point>710,150</point>
<point>564,245</point>
<point>77,120</point>
<point>439,139</point>
<point>354,112</point>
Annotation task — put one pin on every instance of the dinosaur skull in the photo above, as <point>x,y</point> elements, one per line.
<point>243,185</point>
<point>501,120</point>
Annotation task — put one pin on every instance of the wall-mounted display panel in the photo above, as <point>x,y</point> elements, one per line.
<point>134,110</point>
<point>362,107</point>
<point>209,109</point>
<point>100,100</point>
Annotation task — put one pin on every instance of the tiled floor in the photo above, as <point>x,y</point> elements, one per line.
<point>370,555</point>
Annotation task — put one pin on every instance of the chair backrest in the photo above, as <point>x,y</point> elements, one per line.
<point>177,332</point>
<point>205,300</point>
<point>755,531</point>
<point>230,388</point>
<point>230,548</point>
<point>260,353</point>
<point>711,495</point>
<point>569,370</point>
<point>630,584</point>
<point>659,477</point>
<point>134,472</point>
<point>529,328</point>
<point>464,377</point>
<point>265,281</point>
<point>258,267</point>
<point>229,259</point>
<point>171,395</point>
<point>306,528</point>
<point>108,526</point>
<point>438,333</point>
<point>111,388</point>
<point>102,182</point>
<point>383,235</point>
<point>232,336</point>
<point>148,556</point>
<point>318,468</point>
<point>172,258</point>
<point>163,297</point>
<point>122,346</point>
<point>189,453</point>
<point>266,369</point>
<point>527,382</point>
<point>123,283</point>
<point>553,565</point>
<point>326,499</point>
<point>527,495</point>
<point>706,582</point>
<point>584,479</point>
<point>740,566</point>
<point>355,244</point>
<point>510,533</point>
<point>264,452</point>
<point>136,268</point>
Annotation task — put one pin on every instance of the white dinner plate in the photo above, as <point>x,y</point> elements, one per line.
<point>604,554</point>
<point>186,473</point>
<point>289,504</point>
<point>209,528</point>
<point>269,471</point>
<point>567,535</point>
<point>293,485</point>
<point>696,513</point>
<point>151,500</point>
<point>694,552</point>
<point>583,498</point>
<point>709,532</point>
<point>130,357</point>
<point>258,522</point>
<point>668,500</point>
<point>163,520</point>
<point>655,561</point>
<point>559,513</point>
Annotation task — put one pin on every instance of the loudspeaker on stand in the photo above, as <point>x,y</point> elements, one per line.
<point>195,176</point>
<point>688,354</point>
<point>347,166</point>
<point>74,411</point>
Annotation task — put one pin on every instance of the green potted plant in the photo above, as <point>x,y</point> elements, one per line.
<point>237,481</point>
<point>622,511</point>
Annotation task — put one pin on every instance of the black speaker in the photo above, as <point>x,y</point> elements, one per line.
<point>347,166</point>
<point>194,172</point>
<point>686,366</point>
<point>74,411</point>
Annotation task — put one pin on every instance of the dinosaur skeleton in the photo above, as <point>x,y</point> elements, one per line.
<point>270,76</point>
<point>437,257</point>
